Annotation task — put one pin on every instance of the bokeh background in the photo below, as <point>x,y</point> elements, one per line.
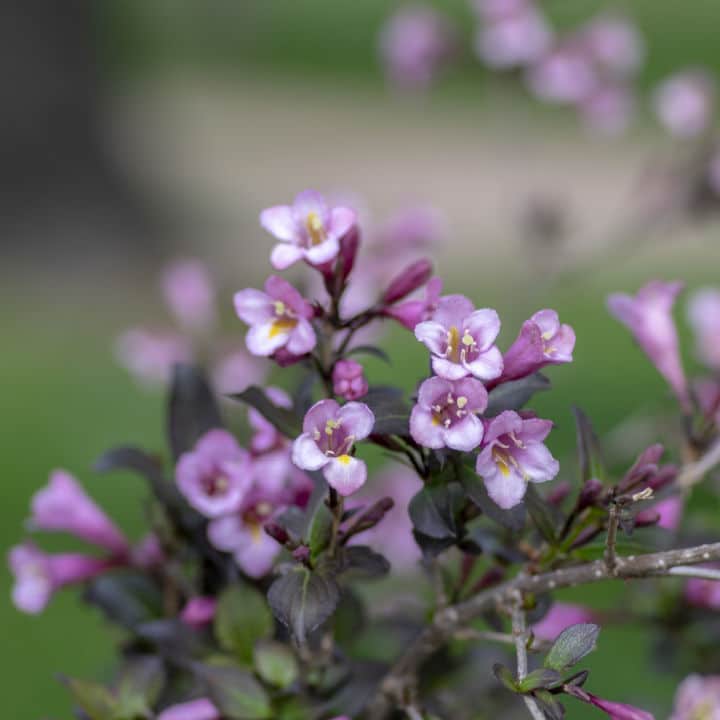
<point>133,132</point>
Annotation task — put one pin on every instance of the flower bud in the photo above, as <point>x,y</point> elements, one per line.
<point>589,493</point>
<point>413,277</point>
<point>277,532</point>
<point>349,381</point>
<point>199,611</point>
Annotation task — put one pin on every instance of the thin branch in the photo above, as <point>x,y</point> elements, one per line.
<point>519,629</point>
<point>610,554</point>
<point>447,622</point>
<point>694,472</point>
<point>695,572</point>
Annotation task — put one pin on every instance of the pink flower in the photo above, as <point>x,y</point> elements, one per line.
<point>648,316</point>
<point>414,44</point>
<point>215,475</point>
<point>150,356</point>
<point>189,293</point>
<point>445,413</point>
<point>349,380</point>
<point>567,74</point>
<point>63,505</point>
<point>242,532</point>
<point>560,617</point>
<point>200,709</point>
<point>615,43</point>
<point>199,611</point>
<point>278,318</point>
<point>697,698</point>
<point>684,103</point>
<point>704,316</point>
<point>265,435</point>
<point>512,36</point>
<point>329,434</point>
<point>308,230</point>
<point>236,369</point>
<point>38,575</point>
<point>462,339</point>
<point>616,711</point>
<point>513,454</point>
<point>670,511</point>
<point>703,593</point>
<point>542,341</point>
<point>413,312</point>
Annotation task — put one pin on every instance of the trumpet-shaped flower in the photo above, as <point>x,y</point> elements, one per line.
<point>329,434</point>
<point>462,339</point>
<point>648,316</point>
<point>215,475</point>
<point>445,413</point>
<point>63,505</point>
<point>542,341</point>
<point>697,698</point>
<point>278,318</point>
<point>514,454</point>
<point>308,230</point>
<point>38,574</point>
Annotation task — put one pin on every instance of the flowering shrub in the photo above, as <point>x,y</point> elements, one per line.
<point>243,600</point>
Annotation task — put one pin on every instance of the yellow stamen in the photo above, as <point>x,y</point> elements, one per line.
<point>315,229</point>
<point>467,339</point>
<point>344,459</point>
<point>453,344</point>
<point>331,426</point>
<point>279,307</point>
<point>462,401</point>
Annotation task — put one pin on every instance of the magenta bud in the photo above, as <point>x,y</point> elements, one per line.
<point>664,476</point>
<point>349,244</point>
<point>302,553</point>
<point>413,277</point>
<point>589,493</point>
<point>284,358</point>
<point>277,532</point>
<point>559,493</point>
<point>647,517</point>
<point>349,380</point>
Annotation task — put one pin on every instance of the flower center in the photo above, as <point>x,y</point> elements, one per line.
<point>449,410</point>
<point>216,485</point>
<point>460,345</point>
<point>315,229</point>
<point>285,320</point>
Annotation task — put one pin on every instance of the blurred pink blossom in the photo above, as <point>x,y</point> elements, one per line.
<point>704,316</point>
<point>199,611</point>
<point>200,709</point>
<point>150,356</point>
<point>560,617</point>
<point>684,103</point>
<point>190,293</point>
<point>697,698</point>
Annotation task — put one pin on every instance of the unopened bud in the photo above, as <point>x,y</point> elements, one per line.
<point>410,279</point>
<point>277,532</point>
<point>589,493</point>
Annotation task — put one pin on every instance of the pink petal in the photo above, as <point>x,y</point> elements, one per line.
<point>306,454</point>
<point>345,474</point>
<point>253,306</point>
<point>424,430</point>
<point>279,222</point>
<point>357,419</point>
<point>464,435</point>
<point>302,338</point>
<point>264,339</point>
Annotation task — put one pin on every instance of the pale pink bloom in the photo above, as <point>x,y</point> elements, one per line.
<point>278,318</point>
<point>704,316</point>
<point>63,505</point>
<point>308,230</point>
<point>150,356</point>
<point>566,74</point>
<point>190,293</point>
<point>199,611</point>
<point>445,414</point>
<point>327,441</point>
<point>462,339</point>
<point>615,43</point>
<point>697,698</point>
<point>215,475</point>
<point>200,709</point>
<point>38,574</point>
<point>513,454</point>
<point>648,316</point>
<point>414,44</point>
<point>684,103</point>
<point>560,617</point>
<point>236,370</point>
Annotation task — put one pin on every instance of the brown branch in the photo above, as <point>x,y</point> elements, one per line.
<point>519,629</point>
<point>393,690</point>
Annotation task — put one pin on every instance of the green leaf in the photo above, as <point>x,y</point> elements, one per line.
<point>540,678</point>
<point>95,700</point>
<point>143,677</point>
<point>241,619</point>
<point>589,452</point>
<point>360,561</point>
<point>275,664</point>
<point>505,677</point>
<point>392,413</point>
<point>320,529</point>
<point>434,510</point>
<point>282,419</point>
<point>513,519</point>
<point>550,706</point>
<point>235,692</point>
<point>542,514</point>
<point>572,645</point>
<point>126,598</point>
<point>302,599</point>
<point>192,409</point>
<point>515,394</point>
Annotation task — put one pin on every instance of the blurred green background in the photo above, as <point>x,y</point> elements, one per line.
<point>66,295</point>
